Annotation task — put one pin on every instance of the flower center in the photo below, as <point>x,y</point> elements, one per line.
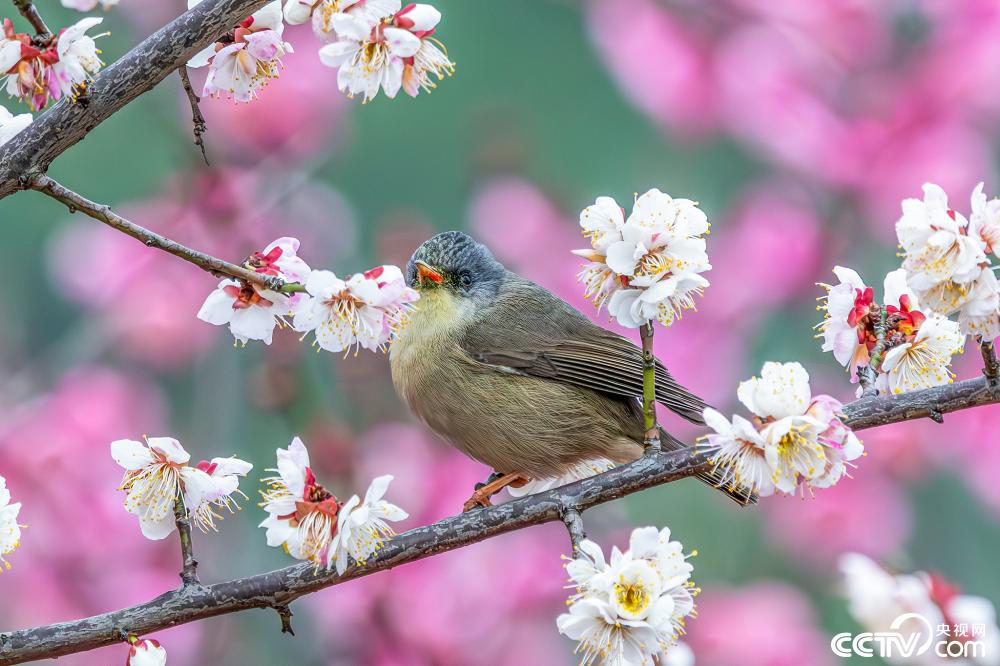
<point>632,596</point>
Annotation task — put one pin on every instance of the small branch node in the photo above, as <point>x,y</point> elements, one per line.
<point>936,416</point>
<point>869,373</point>
<point>197,119</point>
<point>574,525</point>
<point>991,367</point>
<point>285,613</point>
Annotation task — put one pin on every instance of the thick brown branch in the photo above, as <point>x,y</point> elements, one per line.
<point>30,12</point>
<point>65,123</point>
<point>197,119</point>
<point>277,589</point>
<point>102,213</point>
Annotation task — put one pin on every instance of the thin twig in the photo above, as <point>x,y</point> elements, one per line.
<point>869,373</point>
<point>281,587</point>
<point>189,570</point>
<point>574,525</point>
<point>103,213</point>
<point>652,436</point>
<point>30,12</point>
<point>285,613</point>
<point>197,119</point>
<point>991,368</point>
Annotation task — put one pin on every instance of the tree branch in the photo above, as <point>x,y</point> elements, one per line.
<point>574,525</point>
<point>277,589</point>
<point>197,119</point>
<point>869,373</point>
<point>29,12</point>
<point>103,213</point>
<point>189,566</point>
<point>31,151</point>
<point>991,368</point>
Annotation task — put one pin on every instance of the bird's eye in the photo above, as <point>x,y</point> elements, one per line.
<point>465,279</point>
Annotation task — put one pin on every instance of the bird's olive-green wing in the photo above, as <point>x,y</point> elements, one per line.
<point>528,330</point>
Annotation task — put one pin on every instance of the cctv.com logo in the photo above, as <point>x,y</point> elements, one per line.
<point>956,641</point>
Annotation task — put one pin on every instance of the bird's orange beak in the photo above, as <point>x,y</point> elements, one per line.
<point>424,271</point>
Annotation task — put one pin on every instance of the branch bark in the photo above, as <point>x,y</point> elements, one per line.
<point>276,589</point>
<point>103,213</point>
<point>189,565</point>
<point>30,12</point>
<point>197,119</point>
<point>32,150</point>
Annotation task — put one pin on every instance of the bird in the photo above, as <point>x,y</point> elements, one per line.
<point>517,378</point>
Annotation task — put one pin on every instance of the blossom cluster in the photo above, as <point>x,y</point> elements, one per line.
<point>946,258</point>
<point>793,441</point>
<point>917,344</point>
<point>648,266</point>
<point>365,310</point>
<point>10,530</point>
<point>376,44</point>
<point>311,524</point>
<point>877,596</point>
<point>629,610</point>
<point>147,651</point>
<point>157,474</point>
<point>36,73</point>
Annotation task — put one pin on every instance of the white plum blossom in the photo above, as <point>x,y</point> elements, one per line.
<point>10,530</point>
<point>980,315</point>
<point>88,5</point>
<point>923,361</point>
<point>251,311</point>
<point>844,329</point>
<point>632,609</point>
<point>936,242</point>
<point>649,265</point>
<point>794,441</point>
<point>146,652</point>
<point>582,470</point>
<point>739,454</point>
<point>78,55</point>
<point>396,52</point>
<point>302,514</point>
<point>323,11</point>
<point>364,311</point>
<point>985,220</point>
<point>363,526</point>
<point>240,66</point>
<point>281,259</point>
<point>10,124</point>
<point>157,474</point>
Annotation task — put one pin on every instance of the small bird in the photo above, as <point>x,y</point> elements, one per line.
<point>518,379</point>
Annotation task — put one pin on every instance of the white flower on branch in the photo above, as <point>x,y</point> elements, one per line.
<point>37,73</point>
<point>631,610</point>
<point>582,470</point>
<point>10,530</point>
<point>845,327</point>
<point>248,58</point>
<point>281,259</point>
<point>10,124</point>
<point>922,360</point>
<point>363,526</point>
<point>877,596</point>
<point>322,11</point>
<point>647,266</point>
<point>89,5</point>
<point>985,220</point>
<point>396,52</point>
<point>365,311</point>
<point>302,514</point>
<point>250,311</point>
<point>157,473</point>
<point>795,440</point>
<point>146,652</point>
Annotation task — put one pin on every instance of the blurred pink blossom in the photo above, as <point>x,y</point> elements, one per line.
<point>764,624</point>
<point>867,513</point>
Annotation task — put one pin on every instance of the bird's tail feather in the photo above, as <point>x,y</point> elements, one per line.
<point>742,496</point>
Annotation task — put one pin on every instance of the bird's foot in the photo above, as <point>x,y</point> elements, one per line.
<point>493,485</point>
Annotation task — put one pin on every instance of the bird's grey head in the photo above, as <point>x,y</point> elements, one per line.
<point>453,260</point>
